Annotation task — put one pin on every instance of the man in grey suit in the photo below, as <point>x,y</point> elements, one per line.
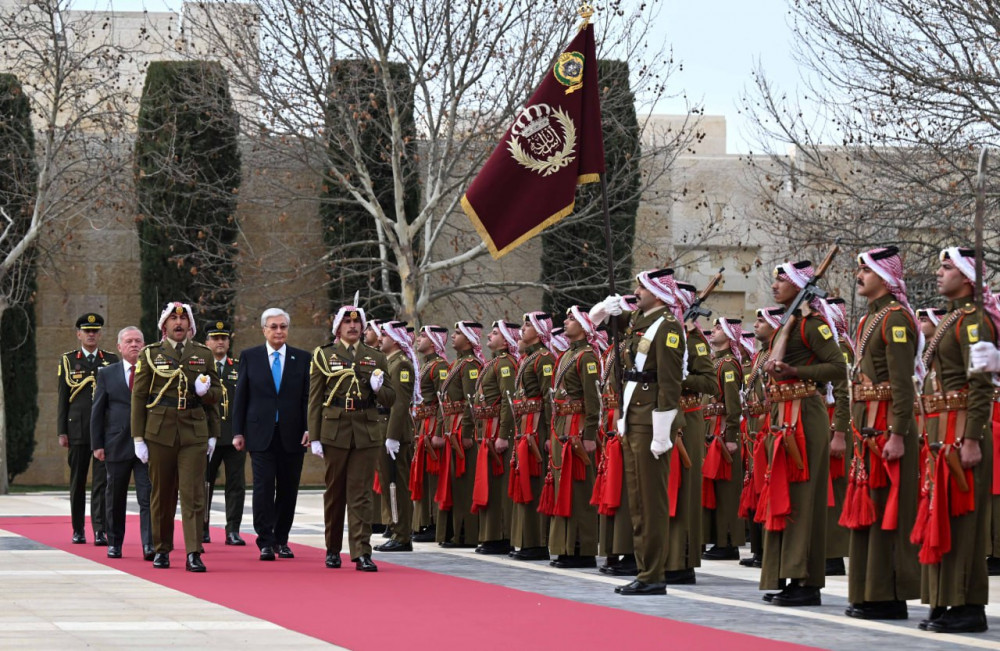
<point>111,440</point>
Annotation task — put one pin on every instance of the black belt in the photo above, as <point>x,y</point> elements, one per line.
<point>354,404</point>
<point>646,377</point>
<point>172,403</point>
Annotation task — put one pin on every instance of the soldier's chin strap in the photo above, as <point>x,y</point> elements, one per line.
<point>319,361</point>
<point>170,376</point>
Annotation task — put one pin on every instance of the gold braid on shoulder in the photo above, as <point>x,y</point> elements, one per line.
<point>169,376</point>
<point>319,360</point>
<point>77,387</point>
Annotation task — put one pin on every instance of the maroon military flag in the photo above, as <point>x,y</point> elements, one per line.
<point>555,144</point>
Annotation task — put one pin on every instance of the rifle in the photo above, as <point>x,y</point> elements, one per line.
<point>954,464</point>
<point>532,443</point>
<point>807,293</point>
<point>457,446</point>
<point>682,450</point>
<point>490,443</point>
<point>977,289</point>
<point>696,310</point>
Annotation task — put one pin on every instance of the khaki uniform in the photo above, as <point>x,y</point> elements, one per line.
<point>660,391</point>
<point>577,407</point>
<point>799,551</point>
<point>884,564</point>
<point>342,415</point>
<point>77,380</point>
<point>961,576</point>
<point>176,425</point>
<point>400,428</point>
<point>529,528</point>
<point>225,453</point>
<point>723,526</point>
<point>426,460</point>
<point>494,420</point>
<point>684,538</point>
<point>838,537</point>
<point>460,466</point>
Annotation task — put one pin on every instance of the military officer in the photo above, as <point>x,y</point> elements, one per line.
<point>175,390</point>
<point>533,412</point>
<point>954,536</point>
<point>431,343</point>
<point>347,381</point>
<point>796,513</point>
<point>495,430</point>
<point>394,464</point>
<point>380,508</point>
<point>77,373</point>
<point>884,568</point>
<point>218,337</point>
<point>838,536</point>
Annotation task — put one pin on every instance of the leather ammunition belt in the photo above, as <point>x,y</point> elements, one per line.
<point>172,403</point>
<point>935,403</point>
<point>689,401</point>
<point>872,392</point>
<point>715,409</point>
<point>453,408</point>
<point>757,408</point>
<point>645,377</point>
<point>791,391</point>
<point>569,407</point>
<point>485,412</point>
<point>353,404</point>
<point>425,411</point>
<point>527,406</point>
<point>610,401</point>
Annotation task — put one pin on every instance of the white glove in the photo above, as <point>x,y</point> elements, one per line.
<point>141,450</point>
<point>662,420</point>
<point>202,385</point>
<point>984,357</point>
<point>392,447</point>
<point>317,448</point>
<point>611,306</point>
<point>376,380</point>
<point>211,446</point>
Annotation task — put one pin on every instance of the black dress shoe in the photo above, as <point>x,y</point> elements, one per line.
<point>285,552</point>
<point>771,595</point>
<point>751,561</point>
<point>100,540</point>
<point>625,568</point>
<point>878,610</point>
<point>378,528</point>
<point>680,577</point>
<point>148,553</point>
<point>719,553</point>
<point>493,547</point>
<point>425,535</point>
<point>639,588</point>
<point>531,554</point>
<point>333,561</point>
<point>960,619</point>
<point>993,565</point>
<point>387,533</point>
<point>79,538</point>
<point>161,561</point>
<point>574,562</point>
<point>796,596</point>
<point>194,563</point>
<point>364,564</point>
<point>450,544</point>
<point>395,546</point>
<point>935,613</point>
<point>233,538</point>
<point>114,552</point>
<point>206,537</point>
<point>266,553</point>
<point>835,567</point>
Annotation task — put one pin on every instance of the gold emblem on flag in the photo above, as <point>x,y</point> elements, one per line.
<point>568,70</point>
<point>548,150</point>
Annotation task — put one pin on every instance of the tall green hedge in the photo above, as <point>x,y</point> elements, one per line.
<point>358,110</point>
<point>574,258</point>
<point>18,173</point>
<point>187,174</point>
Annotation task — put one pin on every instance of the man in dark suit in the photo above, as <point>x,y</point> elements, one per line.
<point>269,420</point>
<point>111,439</point>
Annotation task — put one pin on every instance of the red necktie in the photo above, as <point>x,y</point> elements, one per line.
<point>131,375</point>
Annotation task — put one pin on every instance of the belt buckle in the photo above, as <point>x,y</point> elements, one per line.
<point>349,404</point>
<point>181,403</point>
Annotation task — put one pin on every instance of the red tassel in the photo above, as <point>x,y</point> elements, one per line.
<point>547,501</point>
<point>377,485</point>
<point>443,495</point>
<point>564,490</point>
<point>746,497</point>
<point>481,485</point>
<point>611,496</point>
<point>417,469</point>
<point>890,519</point>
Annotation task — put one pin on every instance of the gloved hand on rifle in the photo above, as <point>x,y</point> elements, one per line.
<point>662,421</point>
<point>984,357</point>
<point>611,306</point>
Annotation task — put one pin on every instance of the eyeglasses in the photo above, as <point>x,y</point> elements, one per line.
<point>278,326</point>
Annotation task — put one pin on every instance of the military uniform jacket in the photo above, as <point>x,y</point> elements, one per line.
<point>460,383</point>
<point>841,393</point>
<point>402,377</point>
<point>496,381</point>
<point>342,405</point>
<point>756,391</point>
<point>230,375</point>
<point>701,370</point>
<point>813,351</point>
<point>77,379</point>
<point>576,372</point>
<point>164,382</point>
<point>665,359</point>
<point>534,378</point>
<point>729,384</point>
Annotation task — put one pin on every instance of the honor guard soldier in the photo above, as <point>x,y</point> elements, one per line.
<point>953,515</point>
<point>458,472</point>
<point>928,319</point>
<point>533,412</point>
<point>373,338</point>
<point>795,515</point>
<point>176,389</point>
<point>723,468</point>
<point>432,344</point>
<point>495,431</point>
<point>394,464</point>
<point>77,373</point>
<point>838,537</point>
<point>884,568</point>
<point>345,385</point>
<point>218,337</point>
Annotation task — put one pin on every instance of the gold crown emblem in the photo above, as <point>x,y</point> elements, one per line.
<point>352,315</point>
<point>218,324</point>
<point>178,310</point>
<point>91,318</point>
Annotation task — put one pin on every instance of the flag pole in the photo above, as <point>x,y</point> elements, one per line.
<point>615,336</point>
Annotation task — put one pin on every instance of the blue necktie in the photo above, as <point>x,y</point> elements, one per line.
<point>276,374</point>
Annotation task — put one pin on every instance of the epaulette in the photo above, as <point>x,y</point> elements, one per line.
<point>372,348</point>
<point>69,353</point>
<point>969,308</point>
<point>669,316</point>
<point>201,345</point>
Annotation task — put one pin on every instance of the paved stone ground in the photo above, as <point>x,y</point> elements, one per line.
<point>48,599</point>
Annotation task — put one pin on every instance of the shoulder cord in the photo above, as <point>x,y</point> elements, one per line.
<point>321,365</point>
<point>170,376</point>
<point>77,387</point>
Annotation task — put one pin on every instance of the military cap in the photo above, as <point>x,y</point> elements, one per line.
<point>218,329</point>
<point>90,321</point>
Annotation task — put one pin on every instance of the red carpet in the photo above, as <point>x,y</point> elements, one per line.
<point>365,611</point>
